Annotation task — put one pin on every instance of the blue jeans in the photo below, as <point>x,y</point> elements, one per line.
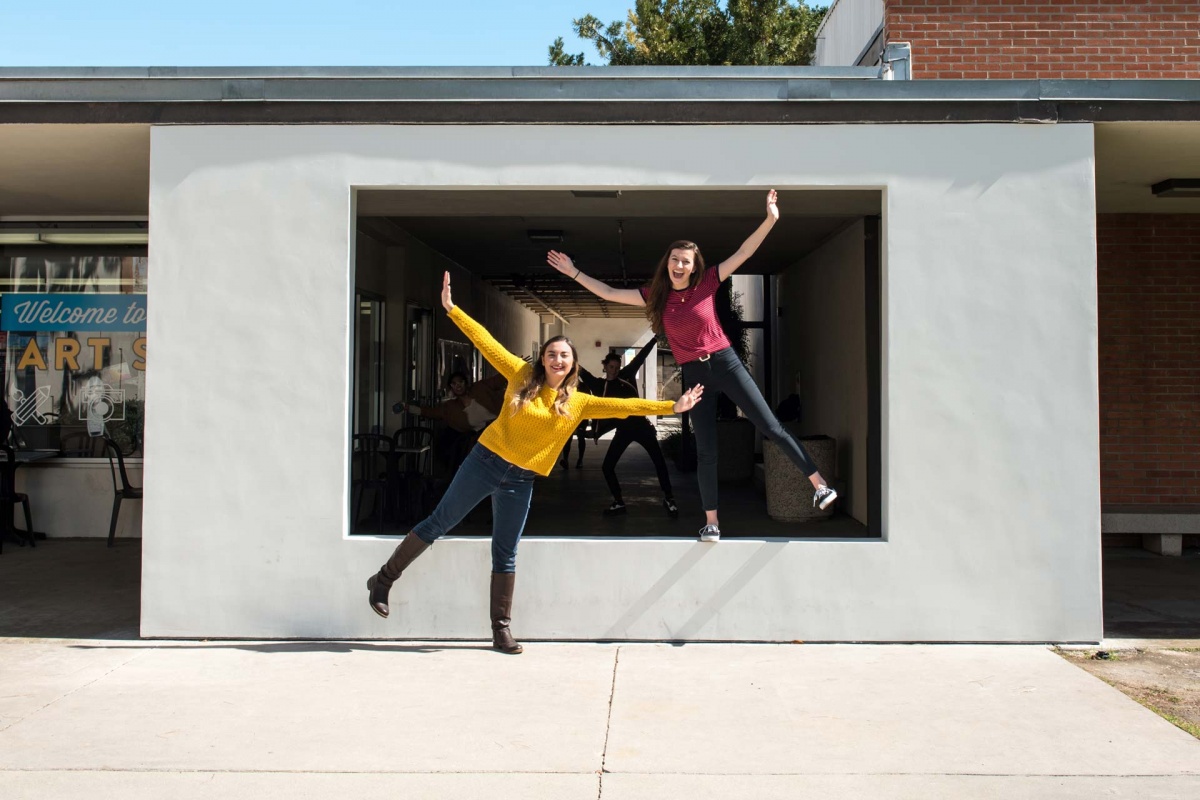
<point>484,473</point>
<point>724,372</point>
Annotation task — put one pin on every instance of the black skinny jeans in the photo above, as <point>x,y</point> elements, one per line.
<point>637,429</point>
<point>724,373</point>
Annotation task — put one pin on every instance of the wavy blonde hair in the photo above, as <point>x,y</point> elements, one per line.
<point>537,379</point>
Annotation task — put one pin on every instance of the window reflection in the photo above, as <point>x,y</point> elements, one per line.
<point>73,350</point>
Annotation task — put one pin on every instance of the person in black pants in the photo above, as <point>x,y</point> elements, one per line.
<point>618,382</point>
<point>680,304</point>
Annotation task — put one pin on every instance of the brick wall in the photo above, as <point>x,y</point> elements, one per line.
<point>1149,316</point>
<point>1019,39</point>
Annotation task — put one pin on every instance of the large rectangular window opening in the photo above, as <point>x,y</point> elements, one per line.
<point>805,322</point>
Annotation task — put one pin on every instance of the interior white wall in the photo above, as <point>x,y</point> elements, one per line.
<point>612,333</point>
<point>823,332</point>
<point>989,391</point>
<point>409,271</point>
<point>73,497</point>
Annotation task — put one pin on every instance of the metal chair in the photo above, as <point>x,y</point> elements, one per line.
<point>410,462</point>
<point>9,498</point>
<point>369,470</point>
<point>123,490</point>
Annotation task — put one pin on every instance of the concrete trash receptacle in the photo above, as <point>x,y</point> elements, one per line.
<point>789,494</point>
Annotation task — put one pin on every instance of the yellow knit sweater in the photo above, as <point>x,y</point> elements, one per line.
<point>533,437</point>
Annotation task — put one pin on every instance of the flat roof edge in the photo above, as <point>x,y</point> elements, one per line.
<point>449,73</point>
<point>602,84</point>
<point>537,112</point>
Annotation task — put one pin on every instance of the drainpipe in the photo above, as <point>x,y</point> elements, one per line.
<point>896,62</point>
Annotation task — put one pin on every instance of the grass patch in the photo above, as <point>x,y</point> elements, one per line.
<point>1182,724</point>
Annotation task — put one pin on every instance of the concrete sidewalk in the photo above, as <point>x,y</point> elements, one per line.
<point>97,718</point>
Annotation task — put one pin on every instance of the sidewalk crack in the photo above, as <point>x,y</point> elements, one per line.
<point>608,724</point>
<point>40,709</point>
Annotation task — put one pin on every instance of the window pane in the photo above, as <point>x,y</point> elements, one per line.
<point>73,350</point>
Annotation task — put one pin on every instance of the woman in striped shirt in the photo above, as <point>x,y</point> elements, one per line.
<point>679,302</point>
<point>541,410</point>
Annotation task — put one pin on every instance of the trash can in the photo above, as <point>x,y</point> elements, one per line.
<point>789,494</point>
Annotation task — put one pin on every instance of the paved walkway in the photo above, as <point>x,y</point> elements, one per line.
<point>108,718</point>
<point>88,710</point>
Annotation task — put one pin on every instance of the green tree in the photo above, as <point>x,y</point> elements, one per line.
<point>700,32</point>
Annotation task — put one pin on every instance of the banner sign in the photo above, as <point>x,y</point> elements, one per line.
<point>73,312</point>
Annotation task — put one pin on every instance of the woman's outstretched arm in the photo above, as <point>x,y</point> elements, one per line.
<point>731,264</point>
<point>620,408</point>
<point>563,263</point>
<point>630,370</point>
<point>505,362</point>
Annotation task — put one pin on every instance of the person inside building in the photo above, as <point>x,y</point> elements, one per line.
<point>621,381</point>
<point>542,407</point>
<point>679,303</point>
<point>470,409</point>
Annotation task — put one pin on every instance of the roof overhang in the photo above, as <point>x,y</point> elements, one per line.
<point>568,95</point>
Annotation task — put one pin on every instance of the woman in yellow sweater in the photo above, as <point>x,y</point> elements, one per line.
<point>542,408</point>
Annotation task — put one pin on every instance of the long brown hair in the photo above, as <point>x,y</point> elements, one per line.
<point>660,284</point>
<point>537,379</point>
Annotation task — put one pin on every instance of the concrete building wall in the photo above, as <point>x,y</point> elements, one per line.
<point>1013,39</point>
<point>1149,300</point>
<point>825,343</point>
<point>989,391</point>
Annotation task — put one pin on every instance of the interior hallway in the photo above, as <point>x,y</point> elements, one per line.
<point>569,502</point>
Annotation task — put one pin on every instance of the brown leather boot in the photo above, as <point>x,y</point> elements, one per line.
<point>502,596</point>
<point>381,582</point>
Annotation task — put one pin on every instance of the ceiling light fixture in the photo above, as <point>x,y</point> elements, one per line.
<point>1177,187</point>
<point>73,233</point>
<point>608,194</point>
<point>545,236</point>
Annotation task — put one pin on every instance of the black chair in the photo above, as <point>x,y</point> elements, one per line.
<point>369,470</point>
<point>122,491</point>
<point>10,497</point>
<point>410,463</point>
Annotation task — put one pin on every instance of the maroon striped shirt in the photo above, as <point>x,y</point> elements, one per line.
<point>690,319</point>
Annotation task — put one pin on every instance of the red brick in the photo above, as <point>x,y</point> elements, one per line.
<point>1148,279</point>
<point>1016,38</point>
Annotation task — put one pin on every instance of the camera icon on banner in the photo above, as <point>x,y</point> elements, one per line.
<point>99,404</point>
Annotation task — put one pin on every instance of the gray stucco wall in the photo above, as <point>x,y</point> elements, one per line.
<point>989,391</point>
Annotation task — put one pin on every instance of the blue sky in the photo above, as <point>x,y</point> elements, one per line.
<point>74,33</point>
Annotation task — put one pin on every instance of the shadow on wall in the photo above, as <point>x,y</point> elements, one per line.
<point>710,607</point>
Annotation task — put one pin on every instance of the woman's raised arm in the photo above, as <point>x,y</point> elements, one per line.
<point>505,362</point>
<point>563,263</point>
<point>731,264</point>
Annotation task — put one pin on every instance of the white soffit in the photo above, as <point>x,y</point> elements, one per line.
<point>1133,156</point>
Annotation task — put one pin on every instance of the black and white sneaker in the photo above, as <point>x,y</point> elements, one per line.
<point>824,496</point>
<point>710,533</point>
<point>615,509</point>
<point>672,509</point>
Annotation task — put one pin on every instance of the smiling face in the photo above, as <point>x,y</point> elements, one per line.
<point>558,359</point>
<point>458,386</point>
<point>612,367</point>
<point>680,264</point>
